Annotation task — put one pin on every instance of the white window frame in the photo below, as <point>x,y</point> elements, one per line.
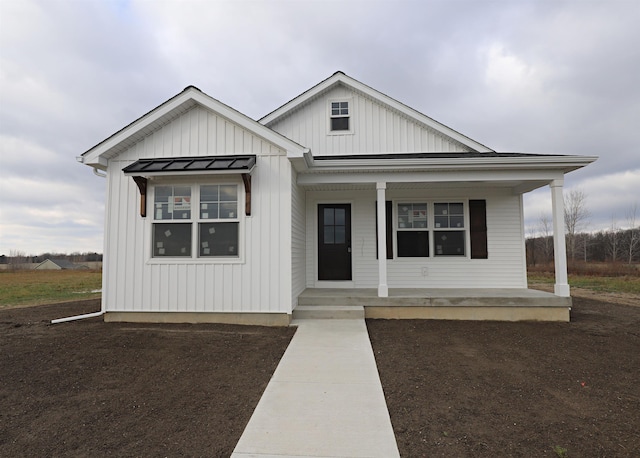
<point>432,229</point>
<point>195,221</point>
<point>331,116</point>
<point>397,228</point>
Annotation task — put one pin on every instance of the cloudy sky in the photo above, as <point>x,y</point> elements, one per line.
<point>529,76</point>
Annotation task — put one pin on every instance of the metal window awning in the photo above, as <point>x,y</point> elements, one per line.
<point>192,165</point>
<point>142,169</point>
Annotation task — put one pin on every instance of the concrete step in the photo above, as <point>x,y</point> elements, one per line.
<point>328,312</point>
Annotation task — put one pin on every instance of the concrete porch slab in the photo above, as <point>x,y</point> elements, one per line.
<point>503,304</point>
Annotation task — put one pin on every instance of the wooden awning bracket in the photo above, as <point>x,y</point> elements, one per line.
<point>246,179</point>
<point>142,186</point>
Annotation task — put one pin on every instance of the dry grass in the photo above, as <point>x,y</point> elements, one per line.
<point>33,287</point>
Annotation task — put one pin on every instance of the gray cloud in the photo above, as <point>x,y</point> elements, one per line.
<point>530,76</point>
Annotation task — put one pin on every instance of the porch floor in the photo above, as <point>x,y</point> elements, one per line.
<point>509,304</point>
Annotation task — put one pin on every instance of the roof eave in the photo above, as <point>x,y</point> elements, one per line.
<point>97,156</point>
<point>564,163</point>
<point>340,77</point>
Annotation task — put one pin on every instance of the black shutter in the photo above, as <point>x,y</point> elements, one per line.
<point>478,219</point>
<point>388,213</point>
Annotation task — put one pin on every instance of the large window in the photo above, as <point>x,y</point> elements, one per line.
<point>339,118</point>
<point>213,222</point>
<point>449,233</point>
<point>412,230</point>
<point>425,229</point>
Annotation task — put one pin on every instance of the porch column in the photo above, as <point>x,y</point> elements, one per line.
<point>561,287</point>
<point>383,288</point>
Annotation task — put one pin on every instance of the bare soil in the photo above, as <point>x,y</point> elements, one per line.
<point>453,388</point>
<point>89,388</point>
<point>460,389</point>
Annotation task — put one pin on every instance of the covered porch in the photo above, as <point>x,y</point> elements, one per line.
<point>501,304</point>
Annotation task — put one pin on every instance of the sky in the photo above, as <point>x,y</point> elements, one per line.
<point>552,76</point>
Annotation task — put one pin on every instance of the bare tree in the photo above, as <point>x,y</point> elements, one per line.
<point>546,233</point>
<point>17,259</point>
<point>613,239</point>
<point>576,217</point>
<point>633,237</point>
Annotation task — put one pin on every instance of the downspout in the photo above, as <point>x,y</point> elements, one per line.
<point>86,315</point>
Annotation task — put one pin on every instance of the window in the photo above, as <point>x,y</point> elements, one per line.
<point>214,220</point>
<point>339,117</point>
<point>449,234</point>
<point>172,203</point>
<point>412,230</point>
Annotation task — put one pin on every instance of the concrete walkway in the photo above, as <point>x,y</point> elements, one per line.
<point>324,399</point>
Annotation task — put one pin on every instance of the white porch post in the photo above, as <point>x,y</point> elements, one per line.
<point>561,287</point>
<point>383,288</point>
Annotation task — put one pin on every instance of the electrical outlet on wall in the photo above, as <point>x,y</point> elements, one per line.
<point>425,271</point>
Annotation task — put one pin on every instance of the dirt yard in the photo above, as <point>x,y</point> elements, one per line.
<point>89,388</point>
<point>514,389</point>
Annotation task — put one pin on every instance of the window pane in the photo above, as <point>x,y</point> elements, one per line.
<point>208,211</point>
<point>413,244</point>
<point>228,193</point>
<point>218,239</point>
<point>209,193</point>
<point>340,234</point>
<point>456,221</point>
<point>171,239</point>
<point>456,209</point>
<point>328,216</point>
<point>228,210</point>
<point>442,221</point>
<point>339,216</point>
<point>339,123</point>
<point>328,235</point>
<point>440,209</point>
<point>449,243</point>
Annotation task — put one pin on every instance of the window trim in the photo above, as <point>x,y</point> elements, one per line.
<point>350,116</point>
<point>195,221</point>
<point>431,201</point>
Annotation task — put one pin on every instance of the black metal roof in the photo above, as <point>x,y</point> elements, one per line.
<point>236,163</point>
<point>435,155</point>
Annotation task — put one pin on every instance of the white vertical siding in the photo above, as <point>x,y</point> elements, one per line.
<point>376,129</point>
<point>505,267</point>
<point>134,282</point>
<point>298,238</point>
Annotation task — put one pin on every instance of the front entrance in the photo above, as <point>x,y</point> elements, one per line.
<point>334,241</point>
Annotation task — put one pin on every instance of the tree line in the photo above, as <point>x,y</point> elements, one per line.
<point>619,243</point>
<point>17,257</point>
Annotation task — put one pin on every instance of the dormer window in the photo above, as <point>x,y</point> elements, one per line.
<point>339,116</point>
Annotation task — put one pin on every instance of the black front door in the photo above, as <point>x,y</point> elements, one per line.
<point>334,242</point>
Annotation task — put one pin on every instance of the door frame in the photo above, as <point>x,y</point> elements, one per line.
<point>331,283</point>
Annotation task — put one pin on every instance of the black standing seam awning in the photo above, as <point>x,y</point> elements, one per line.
<point>231,164</point>
<point>241,164</point>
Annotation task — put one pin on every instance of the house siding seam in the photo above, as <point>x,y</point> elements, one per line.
<point>376,129</point>
<point>133,282</point>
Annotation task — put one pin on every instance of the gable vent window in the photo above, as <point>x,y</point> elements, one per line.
<point>339,117</point>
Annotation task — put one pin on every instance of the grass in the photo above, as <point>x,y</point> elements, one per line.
<point>34,287</point>
<point>605,284</point>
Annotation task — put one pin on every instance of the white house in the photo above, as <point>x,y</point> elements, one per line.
<point>213,216</point>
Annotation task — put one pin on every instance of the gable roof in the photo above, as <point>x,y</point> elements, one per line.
<point>340,78</point>
<point>99,155</point>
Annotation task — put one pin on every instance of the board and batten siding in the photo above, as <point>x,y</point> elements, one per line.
<point>376,128</point>
<point>504,268</point>
<point>260,283</point>
<point>298,238</point>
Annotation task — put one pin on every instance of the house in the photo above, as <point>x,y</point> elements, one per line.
<point>58,264</point>
<point>343,195</point>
